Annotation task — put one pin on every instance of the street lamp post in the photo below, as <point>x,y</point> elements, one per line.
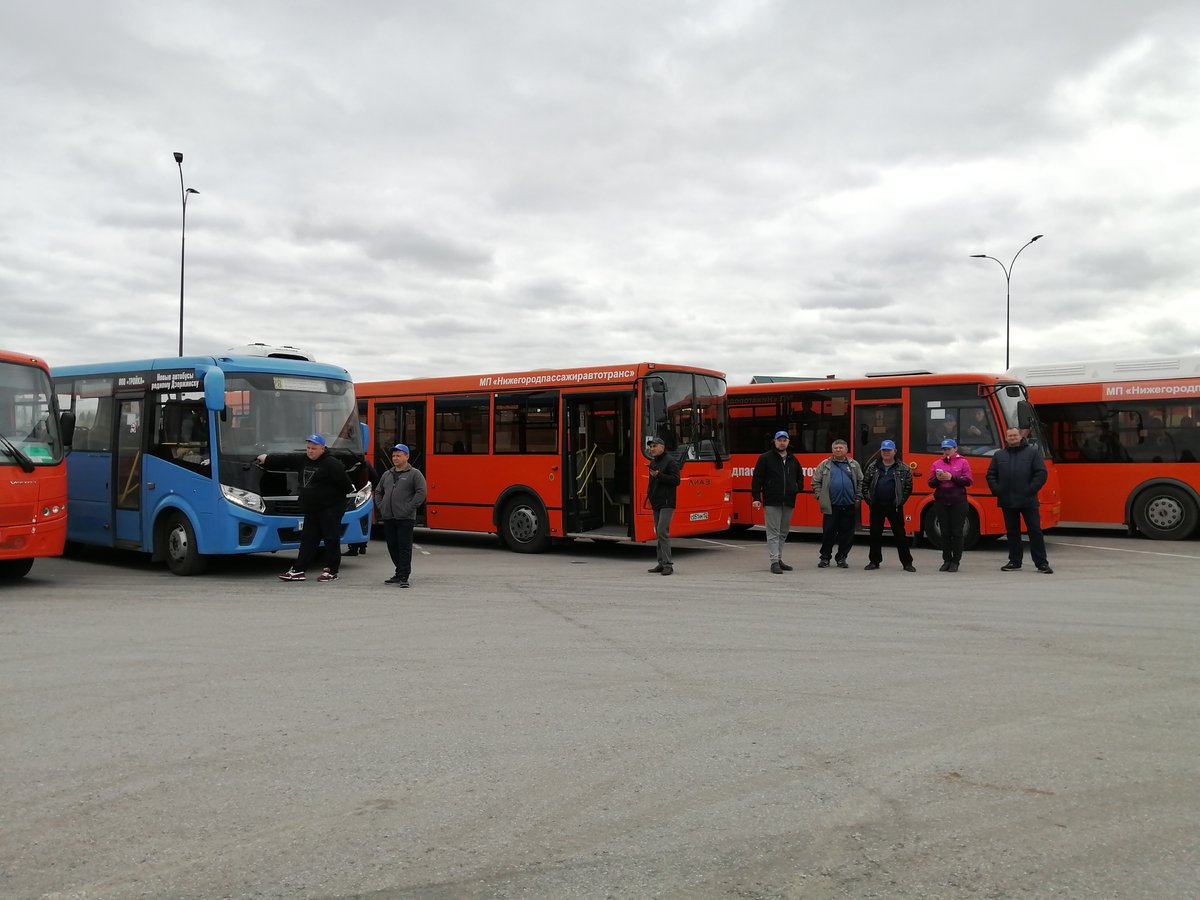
<point>183,193</point>
<point>1007,290</point>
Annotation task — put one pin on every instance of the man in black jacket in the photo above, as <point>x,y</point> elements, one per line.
<point>887,483</point>
<point>324,485</point>
<point>1015,475</point>
<point>776,482</point>
<point>660,494</point>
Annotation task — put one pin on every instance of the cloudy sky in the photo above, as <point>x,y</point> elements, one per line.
<point>759,186</point>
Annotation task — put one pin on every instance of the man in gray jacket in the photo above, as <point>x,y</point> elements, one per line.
<point>400,492</point>
<point>837,484</point>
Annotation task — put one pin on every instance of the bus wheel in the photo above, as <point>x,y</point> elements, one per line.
<point>1164,513</point>
<point>180,546</point>
<point>933,531</point>
<point>523,526</point>
<point>15,568</point>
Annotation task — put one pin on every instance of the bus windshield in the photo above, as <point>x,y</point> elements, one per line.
<point>688,411</point>
<point>28,427</point>
<point>1010,397</point>
<point>268,413</point>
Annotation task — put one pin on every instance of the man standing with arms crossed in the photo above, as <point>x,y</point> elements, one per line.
<point>400,493</point>
<point>837,483</point>
<point>886,485</point>
<point>776,482</point>
<point>1015,475</point>
<point>660,494</point>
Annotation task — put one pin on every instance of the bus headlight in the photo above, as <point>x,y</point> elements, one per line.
<point>246,499</point>
<point>363,495</point>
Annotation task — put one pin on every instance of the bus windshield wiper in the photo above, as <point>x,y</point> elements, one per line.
<point>23,461</point>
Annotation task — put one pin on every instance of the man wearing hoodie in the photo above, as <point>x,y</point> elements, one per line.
<point>401,490</point>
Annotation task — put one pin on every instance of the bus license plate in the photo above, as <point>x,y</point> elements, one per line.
<point>698,517</point>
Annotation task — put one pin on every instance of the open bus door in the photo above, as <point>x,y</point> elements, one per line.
<point>598,456</point>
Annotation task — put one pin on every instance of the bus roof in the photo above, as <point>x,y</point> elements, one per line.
<point>577,376</point>
<point>873,381</point>
<point>23,359</point>
<point>1087,372</point>
<point>227,363</point>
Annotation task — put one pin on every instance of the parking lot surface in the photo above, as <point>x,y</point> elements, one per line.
<point>567,725</point>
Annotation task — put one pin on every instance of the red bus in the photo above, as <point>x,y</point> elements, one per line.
<point>33,478</point>
<point>1126,441</point>
<point>557,453</point>
<point>917,410</point>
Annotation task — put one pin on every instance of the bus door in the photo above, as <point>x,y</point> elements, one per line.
<point>599,451</point>
<point>873,424</point>
<point>127,470</point>
<point>401,423</point>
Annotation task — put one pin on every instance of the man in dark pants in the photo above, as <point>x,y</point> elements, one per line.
<point>400,492</point>
<point>887,483</point>
<point>837,484</point>
<point>660,494</point>
<point>324,485</point>
<point>776,482</point>
<point>950,476</point>
<point>1015,475</point>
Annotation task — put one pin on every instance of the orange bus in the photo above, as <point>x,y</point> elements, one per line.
<point>33,477</point>
<point>917,410</point>
<point>557,453</point>
<point>1126,441</point>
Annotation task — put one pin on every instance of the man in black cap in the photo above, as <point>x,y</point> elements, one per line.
<point>660,494</point>
<point>776,482</point>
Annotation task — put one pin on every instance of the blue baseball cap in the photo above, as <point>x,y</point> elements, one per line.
<point>782,434</point>
<point>888,445</point>
<point>949,443</point>
<point>315,439</point>
<point>403,448</point>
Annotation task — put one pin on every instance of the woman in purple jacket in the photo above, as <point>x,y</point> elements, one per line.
<point>950,477</point>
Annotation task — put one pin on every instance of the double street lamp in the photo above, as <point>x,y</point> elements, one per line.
<point>1007,290</point>
<point>183,193</point>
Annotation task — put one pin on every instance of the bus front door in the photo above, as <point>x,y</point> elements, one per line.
<point>401,423</point>
<point>873,424</point>
<point>598,449</point>
<point>127,463</point>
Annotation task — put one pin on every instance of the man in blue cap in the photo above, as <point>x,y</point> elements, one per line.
<point>776,482</point>
<point>887,483</point>
<point>324,485</point>
<point>400,492</point>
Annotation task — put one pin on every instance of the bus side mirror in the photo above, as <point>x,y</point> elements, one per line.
<point>364,435</point>
<point>214,389</point>
<point>1025,416</point>
<point>66,424</point>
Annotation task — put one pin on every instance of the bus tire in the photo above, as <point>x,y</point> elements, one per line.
<point>1163,512</point>
<point>12,569</point>
<point>179,546</point>
<point>933,533</point>
<point>523,525</point>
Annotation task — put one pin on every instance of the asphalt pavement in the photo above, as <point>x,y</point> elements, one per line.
<point>568,725</point>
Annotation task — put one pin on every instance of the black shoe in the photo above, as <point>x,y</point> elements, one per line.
<point>668,570</point>
<point>403,582</point>
<point>1045,569</point>
<point>944,567</point>
<point>953,567</point>
<point>776,568</point>
<point>909,567</point>
<point>842,564</point>
<point>823,564</point>
<point>785,566</point>
<point>351,551</point>
<point>869,566</point>
<point>656,569</point>
<point>1010,567</point>
<point>395,579</point>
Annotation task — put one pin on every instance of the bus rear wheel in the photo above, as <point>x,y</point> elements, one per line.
<point>523,525</point>
<point>933,531</point>
<point>1165,513</point>
<point>12,569</point>
<point>179,546</point>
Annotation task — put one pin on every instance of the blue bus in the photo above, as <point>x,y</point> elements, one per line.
<point>163,454</point>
